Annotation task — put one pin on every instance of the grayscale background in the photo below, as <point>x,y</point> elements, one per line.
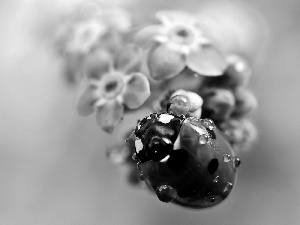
<point>53,169</point>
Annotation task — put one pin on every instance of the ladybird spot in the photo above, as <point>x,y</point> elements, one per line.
<point>213,166</point>
<point>138,145</point>
<point>177,159</point>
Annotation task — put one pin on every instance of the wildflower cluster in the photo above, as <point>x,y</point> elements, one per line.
<point>127,66</point>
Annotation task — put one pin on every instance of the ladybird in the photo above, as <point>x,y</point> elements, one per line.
<point>185,160</point>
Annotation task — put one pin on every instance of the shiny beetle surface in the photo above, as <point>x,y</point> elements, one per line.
<point>186,161</point>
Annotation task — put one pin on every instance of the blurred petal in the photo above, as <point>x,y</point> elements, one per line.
<point>245,102</point>
<point>129,60</point>
<point>165,63</point>
<point>219,104</point>
<point>144,37</point>
<point>109,115</point>
<point>118,154</point>
<point>166,16</point>
<point>87,100</point>
<point>207,61</point>
<point>137,91</point>
<point>97,63</point>
<point>73,68</point>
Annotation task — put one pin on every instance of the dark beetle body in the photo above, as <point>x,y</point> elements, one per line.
<point>187,161</point>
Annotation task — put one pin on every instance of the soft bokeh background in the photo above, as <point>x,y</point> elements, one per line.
<point>53,168</point>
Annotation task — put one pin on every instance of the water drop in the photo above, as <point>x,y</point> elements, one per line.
<point>203,139</point>
<point>228,187</point>
<point>236,162</point>
<point>142,177</point>
<point>226,158</point>
<point>217,179</point>
<point>166,193</point>
<point>208,123</point>
<point>179,105</point>
<point>212,199</point>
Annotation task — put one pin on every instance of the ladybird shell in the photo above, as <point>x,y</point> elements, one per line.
<point>195,171</point>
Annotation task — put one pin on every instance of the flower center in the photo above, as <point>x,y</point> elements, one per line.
<point>181,35</point>
<point>112,85</point>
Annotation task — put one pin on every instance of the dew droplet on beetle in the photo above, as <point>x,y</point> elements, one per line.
<point>208,123</point>
<point>236,162</point>
<point>216,180</point>
<point>142,177</point>
<point>203,139</point>
<point>228,187</point>
<point>166,193</point>
<point>226,158</point>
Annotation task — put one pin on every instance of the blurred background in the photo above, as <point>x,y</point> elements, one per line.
<point>53,168</point>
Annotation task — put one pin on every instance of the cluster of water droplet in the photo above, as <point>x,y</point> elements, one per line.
<point>234,160</point>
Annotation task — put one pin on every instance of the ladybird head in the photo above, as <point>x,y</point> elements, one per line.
<point>156,135</point>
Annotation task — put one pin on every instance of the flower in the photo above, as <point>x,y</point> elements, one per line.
<point>118,84</point>
<point>176,42</point>
<point>94,26</point>
<point>86,35</point>
<point>101,29</point>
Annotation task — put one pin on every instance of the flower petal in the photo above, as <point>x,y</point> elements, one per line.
<point>129,60</point>
<point>145,36</point>
<point>109,115</point>
<point>207,61</point>
<point>137,91</point>
<point>87,101</point>
<point>73,68</point>
<point>165,63</point>
<point>173,15</point>
<point>97,63</point>
<point>170,16</point>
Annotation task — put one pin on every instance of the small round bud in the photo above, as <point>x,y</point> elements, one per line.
<point>179,105</point>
